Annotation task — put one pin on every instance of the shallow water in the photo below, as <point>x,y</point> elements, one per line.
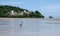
<point>31,27</point>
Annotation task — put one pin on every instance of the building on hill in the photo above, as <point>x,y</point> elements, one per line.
<point>12,12</point>
<point>16,13</point>
<point>20,13</point>
<point>27,12</point>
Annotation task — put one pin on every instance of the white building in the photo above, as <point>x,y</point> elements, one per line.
<point>20,13</point>
<point>13,12</point>
<point>27,12</point>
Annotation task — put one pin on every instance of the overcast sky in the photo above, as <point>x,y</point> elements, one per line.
<point>46,7</point>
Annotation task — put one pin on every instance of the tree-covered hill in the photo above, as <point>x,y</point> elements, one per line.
<point>6,9</point>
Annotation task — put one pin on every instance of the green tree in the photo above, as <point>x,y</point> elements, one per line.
<point>25,15</point>
<point>32,15</point>
<point>38,15</point>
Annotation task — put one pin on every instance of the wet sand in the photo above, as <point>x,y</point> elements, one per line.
<point>31,27</point>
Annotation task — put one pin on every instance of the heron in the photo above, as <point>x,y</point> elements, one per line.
<point>21,23</point>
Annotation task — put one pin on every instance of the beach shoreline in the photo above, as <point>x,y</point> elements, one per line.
<point>22,18</point>
<point>29,18</point>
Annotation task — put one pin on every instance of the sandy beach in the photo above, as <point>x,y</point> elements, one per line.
<point>31,27</point>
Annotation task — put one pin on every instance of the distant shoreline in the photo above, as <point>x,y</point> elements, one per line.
<point>29,18</point>
<point>22,18</point>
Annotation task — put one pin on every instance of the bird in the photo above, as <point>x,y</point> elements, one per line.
<point>21,23</point>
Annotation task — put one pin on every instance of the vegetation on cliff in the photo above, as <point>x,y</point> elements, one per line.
<point>4,10</point>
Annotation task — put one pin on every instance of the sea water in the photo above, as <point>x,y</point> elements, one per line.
<point>30,27</point>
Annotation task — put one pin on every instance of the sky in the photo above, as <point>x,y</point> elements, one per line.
<point>46,7</point>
